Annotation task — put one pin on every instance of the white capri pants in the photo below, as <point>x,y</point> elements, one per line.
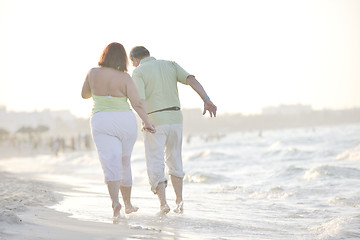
<point>162,147</point>
<point>114,134</point>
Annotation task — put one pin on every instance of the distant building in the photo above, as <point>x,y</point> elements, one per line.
<point>287,110</point>
<point>59,122</point>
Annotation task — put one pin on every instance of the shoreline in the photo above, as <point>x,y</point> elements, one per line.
<point>44,223</point>
<point>26,213</point>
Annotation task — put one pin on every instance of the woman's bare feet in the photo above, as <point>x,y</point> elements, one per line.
<point>130,209</point>
<point>164,209</point>
<point>116,208</point>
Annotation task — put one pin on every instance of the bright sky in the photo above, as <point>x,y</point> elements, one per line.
<point>247,54</point>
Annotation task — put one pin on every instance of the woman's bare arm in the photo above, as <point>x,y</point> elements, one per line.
<point>138,104</point>
<point>86,90</point>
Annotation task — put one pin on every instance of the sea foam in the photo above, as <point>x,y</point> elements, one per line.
<point>350,155</point>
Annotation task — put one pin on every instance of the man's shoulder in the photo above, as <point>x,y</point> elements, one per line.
<point>157,61</point>
<point>168,63</point>
<point>154,63</point>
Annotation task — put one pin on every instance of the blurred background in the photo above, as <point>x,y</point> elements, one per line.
<point>265,64</point>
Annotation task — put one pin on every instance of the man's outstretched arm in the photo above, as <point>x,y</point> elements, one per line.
<point>208,105</point>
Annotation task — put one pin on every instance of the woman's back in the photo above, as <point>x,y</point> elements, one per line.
<point>106,81</point>
<point>111,87</point>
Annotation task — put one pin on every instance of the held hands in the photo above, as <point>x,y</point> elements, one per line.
<point>209,106</point>
<point>149,127</point>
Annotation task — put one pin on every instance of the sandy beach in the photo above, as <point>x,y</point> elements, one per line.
<point>39,222</point>
<point>26,213</point>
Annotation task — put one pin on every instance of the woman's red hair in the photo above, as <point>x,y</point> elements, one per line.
<point>114,56</point>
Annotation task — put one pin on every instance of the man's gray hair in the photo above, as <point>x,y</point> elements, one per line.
<point>139,52</point>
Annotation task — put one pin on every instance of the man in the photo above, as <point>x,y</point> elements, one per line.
<point>156,81</point>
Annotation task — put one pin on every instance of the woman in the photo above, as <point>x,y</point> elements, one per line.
<point>113,124</point>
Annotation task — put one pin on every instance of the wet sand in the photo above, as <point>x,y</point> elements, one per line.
<point>26,213</point>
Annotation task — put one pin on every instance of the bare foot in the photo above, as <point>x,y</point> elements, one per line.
<point>116,209</point>
<point>164,209</point>
<point>179,207</point>
<point>130,209</point>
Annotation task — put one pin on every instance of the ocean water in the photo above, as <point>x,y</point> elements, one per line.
<point>299,183</point>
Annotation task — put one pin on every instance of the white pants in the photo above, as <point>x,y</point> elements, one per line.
<point>114,134</point>
<point>162,147</point>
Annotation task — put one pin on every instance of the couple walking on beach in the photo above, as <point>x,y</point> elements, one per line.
<point>153,94</point>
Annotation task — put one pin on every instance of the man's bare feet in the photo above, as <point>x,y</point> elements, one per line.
<point>179,207</point>
<point>130,209</point>
<point>164,209</point>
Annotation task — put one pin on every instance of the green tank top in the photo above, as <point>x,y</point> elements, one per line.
<point>110,104</point>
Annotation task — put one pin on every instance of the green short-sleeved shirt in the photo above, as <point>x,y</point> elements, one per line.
<point>109,104</point>
<point>156,81</point>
